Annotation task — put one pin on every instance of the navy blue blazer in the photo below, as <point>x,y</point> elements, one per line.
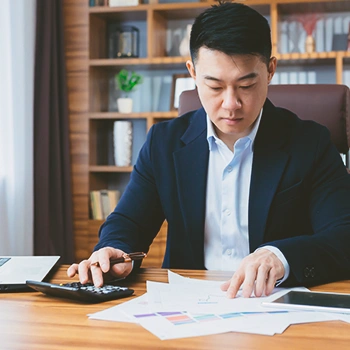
<point>299,196</point>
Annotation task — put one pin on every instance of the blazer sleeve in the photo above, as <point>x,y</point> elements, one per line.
<point>138,216</point>
<point>324,254</point>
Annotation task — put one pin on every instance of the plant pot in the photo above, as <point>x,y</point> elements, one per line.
<point>124,104</point>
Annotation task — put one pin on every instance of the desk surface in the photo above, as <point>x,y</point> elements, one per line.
<point>34,321</point>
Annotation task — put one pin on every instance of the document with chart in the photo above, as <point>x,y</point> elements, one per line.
<point>187,307</point>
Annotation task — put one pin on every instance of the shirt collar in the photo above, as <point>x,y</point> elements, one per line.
<point>212,137</point>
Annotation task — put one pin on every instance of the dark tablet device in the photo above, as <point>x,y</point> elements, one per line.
<point>317,301</point>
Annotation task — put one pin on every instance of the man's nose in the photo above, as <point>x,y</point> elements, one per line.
<point>231,101</point>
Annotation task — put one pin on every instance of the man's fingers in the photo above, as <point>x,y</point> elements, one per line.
<point>249,281</point>
<point>271,282</point>
<point>121,270</point>
<point>84,271</point>
<point>103,256</point>
<point>261,280</point>
<point>96,275</point>
<point>225,285</point>
<point>258,272</point>
<point>72,270</point>
<point>236,282</point>
<point>97,267</point>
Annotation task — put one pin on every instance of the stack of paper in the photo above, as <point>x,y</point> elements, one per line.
<point>187,307</point>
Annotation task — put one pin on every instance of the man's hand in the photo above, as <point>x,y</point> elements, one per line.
<point>258,272</point>
<point>94,273</point>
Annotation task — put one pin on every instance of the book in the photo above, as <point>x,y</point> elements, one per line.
<point>114,196</point>
<point>109,200</point>
<point>106,210</point>
<point>96,208</point>
<point>103,202</point>
<point>97,3</point>
<point>122,138</point>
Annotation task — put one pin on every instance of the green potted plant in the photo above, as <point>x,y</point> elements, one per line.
<point>126,81</point>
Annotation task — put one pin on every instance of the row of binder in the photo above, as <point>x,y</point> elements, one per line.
<point>103,203</point>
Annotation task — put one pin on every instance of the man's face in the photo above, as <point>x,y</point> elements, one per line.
<point>232,90</point>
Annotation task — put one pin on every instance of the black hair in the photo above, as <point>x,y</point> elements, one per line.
<point>232,28</point>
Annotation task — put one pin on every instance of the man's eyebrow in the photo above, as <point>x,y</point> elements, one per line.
<point>248,76</point>
<point>244,77</point>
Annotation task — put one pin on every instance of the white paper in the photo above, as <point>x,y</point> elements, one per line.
<point>124,312</point>
<point>187,307</point>
<point>175,278</point>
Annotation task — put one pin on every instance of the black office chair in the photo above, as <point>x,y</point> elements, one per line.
<point>327,104</point>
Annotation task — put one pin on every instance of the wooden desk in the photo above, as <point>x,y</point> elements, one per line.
<point>35,321</point>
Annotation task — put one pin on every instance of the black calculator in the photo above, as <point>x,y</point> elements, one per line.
<point>83,292</point>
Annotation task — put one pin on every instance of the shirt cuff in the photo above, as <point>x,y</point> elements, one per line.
<point>284,261</point>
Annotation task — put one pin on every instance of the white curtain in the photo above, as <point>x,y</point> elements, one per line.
<point>17,47</point>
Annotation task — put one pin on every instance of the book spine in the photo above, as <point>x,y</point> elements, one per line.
<point>105,203</point>
<point>96,208</point>
<point>114,196</point>
<point>92,206</point>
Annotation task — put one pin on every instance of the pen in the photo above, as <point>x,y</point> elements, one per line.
<point>125,258</point>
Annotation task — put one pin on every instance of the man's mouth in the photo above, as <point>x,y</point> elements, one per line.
<point>232,119</point>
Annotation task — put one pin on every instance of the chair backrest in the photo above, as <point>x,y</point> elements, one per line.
<point>327,104</point>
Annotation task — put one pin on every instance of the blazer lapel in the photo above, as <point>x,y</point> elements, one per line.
<point>269,161</point>
<point>191,165</point>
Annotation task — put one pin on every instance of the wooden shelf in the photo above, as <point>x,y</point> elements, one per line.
<point>116,115</point>
<point>170,61</point>
<point>164,61</point>
<point>183,6</point>
<point>307,56</point>
<point>109,169</point>
<point>111,9</point>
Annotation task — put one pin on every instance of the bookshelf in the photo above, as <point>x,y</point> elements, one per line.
<point>92,97</point>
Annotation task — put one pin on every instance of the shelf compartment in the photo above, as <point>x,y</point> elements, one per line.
<point>153,95</point>
<point>116,180</point>
<point>101,145</point>
<point>120,13</point>
<point>305,74</point>
<point>312,6</point>
<point>145,115</point>
<point>102,27</point>
<point>331,26</point>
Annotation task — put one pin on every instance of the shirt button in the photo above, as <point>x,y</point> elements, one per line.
<point>306,272</point>
<point>229,169</point>
<point>227,212</point>
<point>228,251</point>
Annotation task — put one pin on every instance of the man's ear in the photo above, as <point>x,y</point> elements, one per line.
<point>272,68</point>
<point>191,69</point>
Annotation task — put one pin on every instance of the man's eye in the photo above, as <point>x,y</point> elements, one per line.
<point>246,87</point>
<point>215,88</point>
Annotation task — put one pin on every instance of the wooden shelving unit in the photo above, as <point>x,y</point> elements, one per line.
<point>89,72</point>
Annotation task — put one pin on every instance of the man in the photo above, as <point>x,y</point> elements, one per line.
<point>244,186</point>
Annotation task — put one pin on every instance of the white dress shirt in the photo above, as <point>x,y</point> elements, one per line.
<point>226,233</point>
